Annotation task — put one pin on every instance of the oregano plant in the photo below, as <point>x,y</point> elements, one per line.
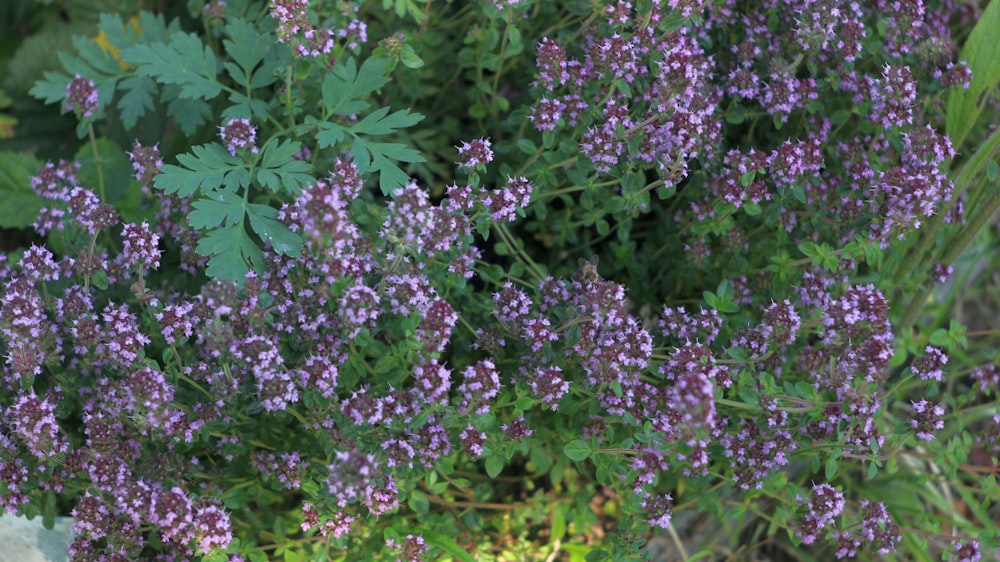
<point>506,280</point>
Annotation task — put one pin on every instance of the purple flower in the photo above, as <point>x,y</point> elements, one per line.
<point>412,549</point>
<point>239,134</point>
<point>481,385</point>
<point>140,247</point>
<point>146,162</point>
<point>34,421</point>
<point>81,97</point>
<point>825,503</point>
<point>967,552</point>
<point>927,419</point>
<point>475,154</point>
<point>549,386</point>
<point>212,528</point>
<point>929,367</point>
<point>659,509</point>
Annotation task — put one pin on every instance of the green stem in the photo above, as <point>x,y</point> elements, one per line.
<point>969,171</point>
<point>951,253</point>
<point>97,162</point>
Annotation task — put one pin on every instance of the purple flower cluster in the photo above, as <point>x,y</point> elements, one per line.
<point>239,134</point>
<point>81,97</point>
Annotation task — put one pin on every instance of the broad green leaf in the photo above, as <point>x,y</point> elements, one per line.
<point>377,123</point>
<point>232,253</point>
<point>19,205</point>
<point>136,100</point>
<point>346,83</point>
<point>558,527</point>
<point>189,113</point>
<point>577,450</point>
<point>418,502</point>
<point>207,169</point>
<point>184,61</point>
<point>981,53</point>
<point>49,511</point>
<point>330,134</point>
<point>247,46</point>
<point>264,221</point>
<point>280,171</point>
<point>494,465</point>
<point>216,208</point>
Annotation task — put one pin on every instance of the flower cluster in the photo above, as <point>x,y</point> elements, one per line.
<point>368,361</point>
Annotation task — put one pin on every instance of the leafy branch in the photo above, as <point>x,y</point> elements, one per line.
<point>342,91</point>
<point>224,209</point>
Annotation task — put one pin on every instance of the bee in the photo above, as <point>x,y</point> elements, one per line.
<point>587,273</point>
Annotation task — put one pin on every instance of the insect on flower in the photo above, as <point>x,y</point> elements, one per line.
<point>587,273</point>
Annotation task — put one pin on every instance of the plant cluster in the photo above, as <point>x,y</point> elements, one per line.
<point>507,280</point>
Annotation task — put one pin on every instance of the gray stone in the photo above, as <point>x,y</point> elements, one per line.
<point>22,540</point>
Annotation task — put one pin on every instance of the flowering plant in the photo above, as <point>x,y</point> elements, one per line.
<point>337,281</point>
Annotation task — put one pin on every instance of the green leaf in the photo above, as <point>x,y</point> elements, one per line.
<point>330,134</point>
<point>19,205</point>
<point>49,510</point>
<point>526,146</point>
<point>216,208</point>
<point>208,168</point>
<point>264,221</point>
<point>278,169</point>
<point>577,450</point>
<point>410,59</point>
<point>342,86</point>
<point>247,46</point>
<point>137,99</point>
<point>558,528</point>
<point>232,253</point>
<point>981,53</point>
<point>189,113</point>
<point>830,470</point>
<point>448,545</point>
<point>184,61</point>
<point>494,465</point>
<point>418,502</point>
<point>374,157</point>
<point>378,123</point>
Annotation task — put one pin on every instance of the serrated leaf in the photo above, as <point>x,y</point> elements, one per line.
<point>19,205</point>
<point>52,88</point>
<point>346,83</point>
<point>374,157</point>
<point>244,107</point>
<point>136,100</point>
<point>218,207</point>
<point>184,61</point>
<point>378,123</point>
<point>264,221</point>
<point>330,134</point>
<point>247,46</point>
<point>207,169</point>
<point>232,253</point>
<point>280,171</point>
<point>190,114</point>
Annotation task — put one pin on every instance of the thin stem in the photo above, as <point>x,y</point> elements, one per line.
<point>97,162</point>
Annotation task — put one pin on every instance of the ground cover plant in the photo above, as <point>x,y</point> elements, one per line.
<point>501,280</point>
